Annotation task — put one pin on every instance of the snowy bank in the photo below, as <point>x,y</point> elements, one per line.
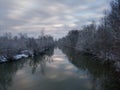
<point>23,54</point>
<point>20,56</point>
<point>3,59</point>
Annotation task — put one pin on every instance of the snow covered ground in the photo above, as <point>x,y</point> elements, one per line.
<point>20,56</point>
<point>23,54</point>
<point>3,59</point>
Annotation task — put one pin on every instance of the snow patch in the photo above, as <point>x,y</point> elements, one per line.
<point>20,56</point>
<point>3,59</point>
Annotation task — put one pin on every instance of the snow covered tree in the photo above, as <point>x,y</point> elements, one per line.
<point>86,38</point>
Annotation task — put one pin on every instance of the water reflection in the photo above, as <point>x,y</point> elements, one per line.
<point>39,61</point>
<point>56,70</point>
<point>103,76</point>
<point>9,70</point>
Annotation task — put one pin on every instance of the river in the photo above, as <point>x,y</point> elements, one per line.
<point>58,70</point>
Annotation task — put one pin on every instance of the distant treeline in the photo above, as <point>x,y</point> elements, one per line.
<point>101,40</point>
<point>12,45</point>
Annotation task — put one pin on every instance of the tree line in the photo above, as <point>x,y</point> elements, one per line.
<point>101,40</point>
<point>12,45</point>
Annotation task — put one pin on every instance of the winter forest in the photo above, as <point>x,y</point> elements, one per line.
<point>102,40</point>
<point>22,46</point>
<point>87,57</point>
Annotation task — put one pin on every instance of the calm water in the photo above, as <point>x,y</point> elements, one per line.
<point>58,70</point>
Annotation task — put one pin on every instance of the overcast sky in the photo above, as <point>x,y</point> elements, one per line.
<point>56,17</point>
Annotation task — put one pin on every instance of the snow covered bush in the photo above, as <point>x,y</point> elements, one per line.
<point>15,46</point>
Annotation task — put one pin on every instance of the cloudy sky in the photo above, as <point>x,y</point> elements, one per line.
<point>56,17</point>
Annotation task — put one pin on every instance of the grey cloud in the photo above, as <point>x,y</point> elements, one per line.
<point>54,15</point>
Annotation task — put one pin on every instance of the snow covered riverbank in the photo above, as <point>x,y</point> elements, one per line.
<point>103,57</point>
<point>23,54</point>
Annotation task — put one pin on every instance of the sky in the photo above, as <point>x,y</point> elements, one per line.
<point>55,17</point>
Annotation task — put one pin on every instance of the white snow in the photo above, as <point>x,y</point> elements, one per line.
<point>3,59</point>
<point>24,54</point>
<point>20,56</point>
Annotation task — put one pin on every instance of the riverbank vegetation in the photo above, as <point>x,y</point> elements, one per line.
<point>22,46</point>
<point>9,70</point>
<point>101,40</point>
<point>103,75</point>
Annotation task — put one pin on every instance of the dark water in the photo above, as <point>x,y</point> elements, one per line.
<point>58,70</point>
